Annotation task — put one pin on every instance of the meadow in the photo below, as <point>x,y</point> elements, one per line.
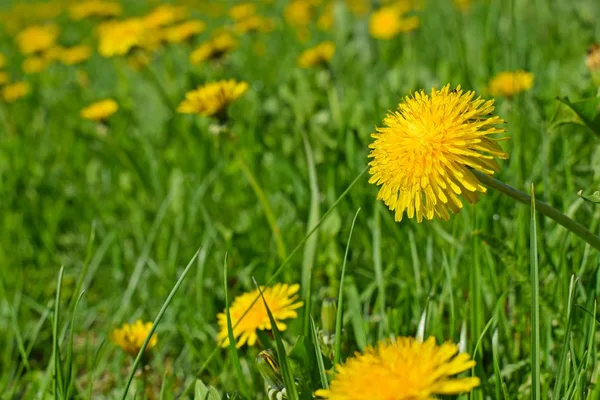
<point>213,170</point>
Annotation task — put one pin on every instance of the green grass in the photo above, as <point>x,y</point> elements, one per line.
<point>125,212</point>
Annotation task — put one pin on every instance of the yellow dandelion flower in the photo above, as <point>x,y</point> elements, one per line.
<point>35,64</point>
<point>212,99</point>
<point>319,55</point>
<point>242,11</point>
<point>325,21</point>
<point>507,84</point>
<point>422,156</point>
<point>15,91</point>
<point>100,110</point>
<point>131,337</point>
<point>95,8</point>
<point>388,22</point>
<point>282,300</point>
<point>255,23</point>
<point>4,78</point>
<point>37,38</point>
<point>402,369</point>
<point>181,32</point>
<point>119,37</point>
<point>165,14</point>
<point>214,48</point>
<point>2,60</point>
<point>298,13</point>
<point>75,54</point>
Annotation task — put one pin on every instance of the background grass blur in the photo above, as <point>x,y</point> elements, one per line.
<point>125,212</point>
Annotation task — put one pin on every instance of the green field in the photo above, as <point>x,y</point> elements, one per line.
<point>276,190</point>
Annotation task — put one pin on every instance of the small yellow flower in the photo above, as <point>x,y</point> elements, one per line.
<point>37,38</point>
<point>321,54</point>
<point>212,99</point>
<point>75,54</point>
<point>2,60</point>
<point>214,48</point>
<point>35,64</point>
<point>402,369</point>
<point>15,91</point>
<point>4,78</point>
<point>282,300</point>
<point>181,32</point>
<point>95,8</point>
<point>165,14</point>
<point>507,84</point>
<point>388,22</point>
<point>242,11</point>
<point>255,23</point>
<point>131,337</point>
<point>325,21</point>
<point>423,156</point>
<point>298,13</point>
<point>100,110</point>
<point>118,38</point>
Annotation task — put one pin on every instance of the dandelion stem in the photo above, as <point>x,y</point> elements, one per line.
<point>264,202</point>
<point>542,207</point>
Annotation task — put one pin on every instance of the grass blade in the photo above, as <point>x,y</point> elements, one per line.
<point>535,306</point>
<point>338,321</point>
<point>284,362</point>
<point>58,376</point>
<point>565,345</point>
<point>319,355</point>
<point>138,358</point>
<point>69,374</point>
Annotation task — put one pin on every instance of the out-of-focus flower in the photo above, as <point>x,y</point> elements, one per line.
<point>100,111</point>
<point>2,60</point>
<point>131,337</point>
<point>402,369</point>
<point>4,78</point>
<point>282,300</point>
<point>212,99</point>
<point>181,32</point>
<point>325,21</point>
<point>214,48</point>
<point>53,53</point>
<point>37,38</point>
<point>298,13</point>
<point>388,22</point>
<point>508,84</point>
<point>321,54</point>
<point>15,91</point>
<point>75,54</point>
<point>119,37</point>
<point>358,7</point>
<point>255,23</point>
<point>423,156</point>
<point>165,14</point>
<point>35,64</point>
<point>242,11</point>
<point>95,8</point>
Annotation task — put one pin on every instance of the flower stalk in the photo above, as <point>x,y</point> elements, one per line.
<point>546,209</point>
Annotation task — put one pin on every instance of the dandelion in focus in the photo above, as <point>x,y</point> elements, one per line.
<point>282,300</point>
<point>402,369</point>
<point>15,91</point>
<point>321,54</point>
<point>95,8</point>
<point>214,48</point>
<point>212,99</point>
<point>100,110</point>
<point>423,156</point>
<point>131,337</point>
<point>181,32</point>
<point>37,38</point>
<point>508,84</point>
<point>388,22</point>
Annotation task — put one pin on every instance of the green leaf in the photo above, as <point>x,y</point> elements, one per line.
<point>587,112</point>
<point>592,198</point>
<point>202,392</point>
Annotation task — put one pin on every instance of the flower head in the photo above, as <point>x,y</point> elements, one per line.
<point>15,91</point>
<point>387,22</point>
<point>2,60</point>
<point>318,55</point>
<point>282,300</point>
<point>402,369</point>
<point>4,78</point>
<point>35,64</point>
<point>255,23</point>
<point>95,8</point>
<point>165,14</point>
<point>242,11</point>
<point>131,337</point>
<point>212,99</point>
<point>214,48</point>
<point>183,31</point>
<point>37,38</point>
<point>75,54</point>
<point>119,37</point>
<point>508,84</point>
<point>100,110</point>
<point>423,155</point>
